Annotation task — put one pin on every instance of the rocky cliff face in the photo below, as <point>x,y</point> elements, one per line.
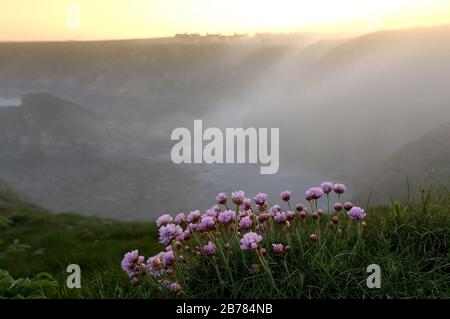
<point>417,166</point>
<point>46,123</point>
<point>64,157</point>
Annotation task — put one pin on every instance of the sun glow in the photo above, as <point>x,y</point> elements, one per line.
<point>112,19</point>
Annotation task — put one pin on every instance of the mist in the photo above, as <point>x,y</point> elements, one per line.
<point>96,137</point>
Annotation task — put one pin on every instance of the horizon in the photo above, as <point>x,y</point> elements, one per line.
<point>249,35</point>
<point>34,21</point>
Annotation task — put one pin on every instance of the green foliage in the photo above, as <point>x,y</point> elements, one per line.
<point>38,241</point>
<point>11,200</point>
<point>4,222</point>
<point>43,285</point>
<point>409,242</point>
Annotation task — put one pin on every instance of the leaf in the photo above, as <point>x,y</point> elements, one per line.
<point>5,283</point>
<point>5,222</point>
<point>44,276</point>
<point>41,286</point>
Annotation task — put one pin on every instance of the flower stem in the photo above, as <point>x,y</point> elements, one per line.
<point>266,268</point>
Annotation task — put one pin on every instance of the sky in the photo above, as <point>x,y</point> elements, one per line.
<point>56,20</point>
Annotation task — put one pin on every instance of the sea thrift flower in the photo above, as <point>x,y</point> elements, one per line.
<point>194,216</point>
<point>244,213</point>
<point>211,212</point>
<point>155,266</point>
<point>290,215</point>
<point>169,233</point>
<point>348,206</point>
<point>278,248</point>
<point>172,286</point>
<point>260,229</point>
<point>255,268</point>
<point>280,217</point>
<point>170,271</point>
<point>356,213</point>
<point>286,196</point>
<point>132,263</point>
<point>339,188</point>
<point>260,199</point>
<point>209,249</point>
<point>238,197</point>
<point>263,217</point>
<point>180,219</point>
<point>183,259</point>
<point>250,241</point>
<point>262,208</point>
<point>226,217</point>
<point>164,283</point>
<point>207,223</point>
<point>326,187</point>
<point>167,258</point>
<point>335,220</point>
<point>175,287</point>
<point>314,193</point>
<point>263,252</point>
<point>247,203</point>
<point>245,223</point>
<point>163,220</point>
<point>185,235</point>
<point>221,198</point>
<point>275,208</point>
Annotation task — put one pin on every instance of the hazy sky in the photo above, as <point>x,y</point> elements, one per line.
<point>112,19</point>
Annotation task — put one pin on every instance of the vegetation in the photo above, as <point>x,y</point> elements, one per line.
<point>34,241</point>
<point>316,259</point>
<point>410,242</point>
<point>41,286</point>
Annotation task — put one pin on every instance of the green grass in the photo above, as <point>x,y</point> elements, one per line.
<point>38,241</point>
<point>409,242</point>
<point>11,200</point>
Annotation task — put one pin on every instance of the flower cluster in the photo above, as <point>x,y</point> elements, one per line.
<point>246,225</point>
<point>133,264</point>
<point>356,213</point>
<point>250,241</point>
<point>169,232</point>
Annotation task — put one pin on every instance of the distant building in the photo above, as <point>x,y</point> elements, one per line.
<point>187,37</point>
<point>263,37</point>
